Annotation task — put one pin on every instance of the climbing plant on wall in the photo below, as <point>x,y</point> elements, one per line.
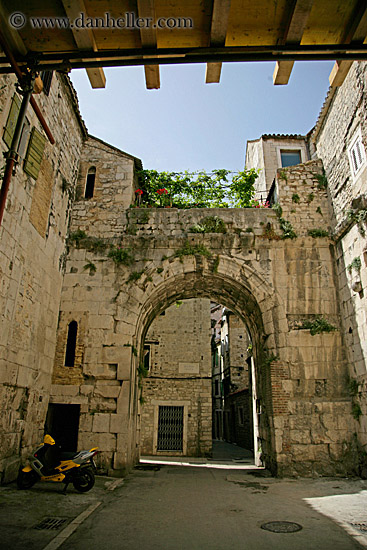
<point>198,189</point>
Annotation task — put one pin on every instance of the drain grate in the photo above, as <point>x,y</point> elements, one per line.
<point>50,523</point>
<point>360,526</point>
<point>281,527</point>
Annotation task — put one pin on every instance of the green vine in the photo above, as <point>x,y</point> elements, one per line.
<point>360,218</point>
<point>135,276</point>
<point>355,264</point>
<point>353,387</point>
<point>321,179</point>
<point>318,325</point>
<point>356,411</point>
<point>285,226</point>
<point>121,256</point>
<point>192,250</point>
<point>210,224</point>
<point>91,266</point>
<point>314,233</point>
<point>269,359</point>
<point>80,239</point>
<point>296,198</point>
<point>196,190</point>
<point>216,264</point>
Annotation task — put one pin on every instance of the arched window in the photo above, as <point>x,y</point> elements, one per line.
<point>71,344</point>
<point>89,185</point>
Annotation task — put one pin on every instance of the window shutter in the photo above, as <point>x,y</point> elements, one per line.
<point>12,120</point>
<point>34,155</point>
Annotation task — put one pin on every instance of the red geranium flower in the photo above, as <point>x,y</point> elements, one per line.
<point>139,191</point>
<point>162,191</point>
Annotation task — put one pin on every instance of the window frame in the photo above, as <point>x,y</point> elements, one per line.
<point>356,144</point>
<point>293,150</point>
<point>90,183</point>
<point>71,343</point>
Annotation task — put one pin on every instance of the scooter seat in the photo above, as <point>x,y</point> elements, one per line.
<point>67,455</point>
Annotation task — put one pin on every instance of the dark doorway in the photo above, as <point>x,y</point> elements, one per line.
<point>62,423</point>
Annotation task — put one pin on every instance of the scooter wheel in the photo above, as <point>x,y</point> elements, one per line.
<point>26,480</point>
<point>84,481</point>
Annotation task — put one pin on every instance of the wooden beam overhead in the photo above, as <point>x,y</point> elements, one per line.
<point>294,29</point>
<point>218,34</point>
<point>355,31</point>
<point>148,38</point>
<point>11,36</point>
<point>84,39</point>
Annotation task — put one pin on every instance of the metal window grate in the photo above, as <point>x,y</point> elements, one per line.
<point>170,428</point>
<point>50,523</point>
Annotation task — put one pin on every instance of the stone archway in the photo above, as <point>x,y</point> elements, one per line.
<point>273,284</point>
<point>244,292</point>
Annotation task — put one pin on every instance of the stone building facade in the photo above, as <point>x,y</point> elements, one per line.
<point>273,284</point>
<point>340,140</point>
<point>176,393</point>
<point>76,312</point>
<point>32,253</point>
<point>273,151</point>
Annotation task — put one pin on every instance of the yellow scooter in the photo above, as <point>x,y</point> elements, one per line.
<point>48,463</point>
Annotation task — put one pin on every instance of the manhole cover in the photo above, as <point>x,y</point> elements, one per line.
<point>50,523</point>
<point>281,527</point>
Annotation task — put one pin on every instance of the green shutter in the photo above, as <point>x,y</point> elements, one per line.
<point>34,155</point>
<point>12,120</point>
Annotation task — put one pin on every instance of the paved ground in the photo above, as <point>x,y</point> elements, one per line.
<point>188,508</point>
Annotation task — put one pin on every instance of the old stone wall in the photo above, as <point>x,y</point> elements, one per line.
<point>272,279</point>
<point>32,248</point>
<point>337,127</point>
<point>179,341</point>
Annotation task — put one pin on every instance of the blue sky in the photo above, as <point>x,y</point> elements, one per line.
<point>190,125</point>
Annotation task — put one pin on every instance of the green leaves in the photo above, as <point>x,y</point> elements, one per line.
<point>199,189</point>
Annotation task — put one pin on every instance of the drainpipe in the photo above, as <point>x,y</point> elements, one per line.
<point>12,155</point>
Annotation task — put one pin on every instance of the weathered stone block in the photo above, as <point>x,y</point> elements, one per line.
<point>101,422</point>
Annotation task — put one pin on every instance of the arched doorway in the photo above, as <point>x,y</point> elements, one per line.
<point>198,386</point>
<point>235,289</point>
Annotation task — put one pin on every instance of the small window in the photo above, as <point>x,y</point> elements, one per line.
<point>12,120</point>
<point>146,357</point>
<point>36,146</point>
<point>216,388</point>
<point>290,158</point>
<point>71,344</point>
<point>46,77</point>
<point>356,152</point>
<point>89,185</point>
